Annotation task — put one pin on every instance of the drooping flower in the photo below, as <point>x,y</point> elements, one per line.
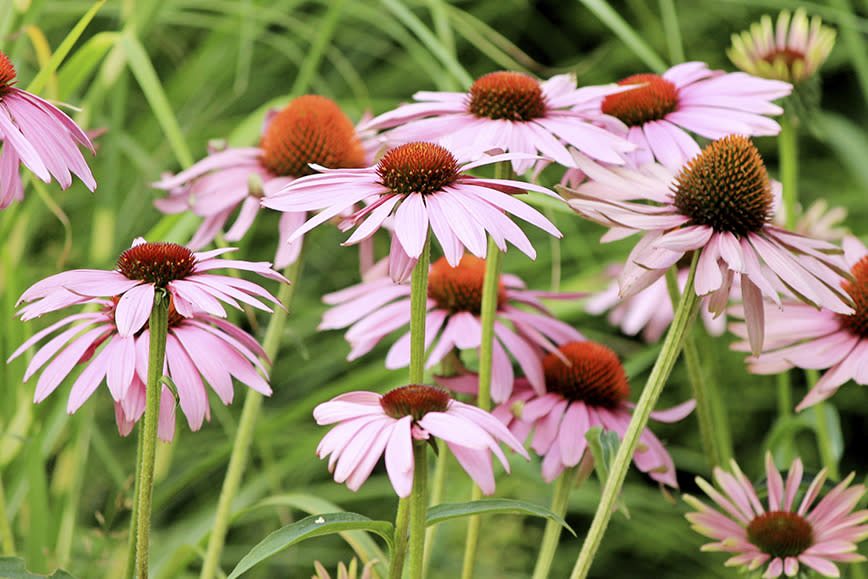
<point>144,269</point>
<point>720,202</point>
<point>370,425</point>
<point>199,346</point>
<point>514,113</point>
<point>36,133</point>
<point>374,309</point>
<point>691,97</point>
<point>778,537</point>
<point>805,337</point>
<point>311,129</point>
<point>422,185</point>
<point>585,386</point>
<point>792,51</point>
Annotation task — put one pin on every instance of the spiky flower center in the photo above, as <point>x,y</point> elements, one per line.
<point>726,187</point>
<point>415,400</point>
<point>7,73</point>
<point>311,129</point>
<point>587,372</point>
<point>417,168</point>
<point>512,96</point>
<point>157,263</point>
<point>780,533</point>
<point>656,98</point>
<point>459,289</point>
<point>857,322</point>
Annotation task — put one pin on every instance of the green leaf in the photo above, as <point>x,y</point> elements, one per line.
<point>307,528</point>
<point>604,446</point>
<point>83,62</point>
<point>610,17</point>
<point>445,511</point>
<point>14,568</point>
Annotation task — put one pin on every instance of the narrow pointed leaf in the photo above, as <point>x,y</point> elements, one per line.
<point>445,511</point>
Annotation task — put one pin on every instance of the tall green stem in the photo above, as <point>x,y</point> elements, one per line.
<point>684,315</point>
<point>158,327</point>
<point>418,509</point>
<point>7,539</point>
<point>399,551</point>
<point>821,428</point>
<point>130,569</point>
<point>435,496</point>
<point>246,428</point>
<point>788,153</point>
<point>418,311</point>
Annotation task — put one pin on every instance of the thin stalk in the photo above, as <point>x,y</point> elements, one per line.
<point>130,569</point>
<point>399,552</point>
<point>672,31</point>
<point>435,497</point>
<point>158,326</point>
<point>7,539</point>
<point>418,311</point>
<point>785,411</point>
<point>788,152</point>
<point>684,316</point>
<point>824,442</point>
<point>246,428</point>
<point>418,509</point>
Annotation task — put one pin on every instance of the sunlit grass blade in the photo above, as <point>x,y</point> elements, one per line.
<point>626,33</point>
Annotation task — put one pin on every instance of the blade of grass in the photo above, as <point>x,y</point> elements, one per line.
<point>625,32</point>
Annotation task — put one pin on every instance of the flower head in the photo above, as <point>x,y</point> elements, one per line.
<point>690,97</point>
<point>310,130</point>
<point>143,270</point>
<point>370,425</point>
<point>510,112</point>
<point>791,51</point>
<point>805,337</point>
<point>199,346</point>
<point>421,185</point>
<point>585,386</point>
<point>720,203</point>
<point>779,537</point>
<point>38,134</point>
<point>375,309</point>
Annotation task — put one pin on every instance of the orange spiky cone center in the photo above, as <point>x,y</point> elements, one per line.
<point>587,372</point>
<point>415,400</point>
<point>857,289</point>
<point>157,263</point>
<point>512,96</point>
<point>419,167</point>
<point>7,73</point>
<point>653,100</point>
<point>459,289</point>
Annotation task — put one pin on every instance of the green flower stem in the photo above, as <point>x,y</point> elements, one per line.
<point>130,572</point>
<point>785,411</point>
<point>788,153</point>
<point>672,31</point>
<point>571,478</point>
<point>399,552</point>
<point>418,310</point>
<point>158,327</point>
<point>824,443</point>
<point>684,315</point>
<point>246,428</point>
<point>7,539</point>
<point>418,509</point>
<point>435,496</point>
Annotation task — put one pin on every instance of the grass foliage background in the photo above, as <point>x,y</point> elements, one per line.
<point>165,77</point>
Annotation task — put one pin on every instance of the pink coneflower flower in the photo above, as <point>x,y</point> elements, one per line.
<point>370,425</point>
<point>804,337</point>
<point>375,309</point>
<point>791,51</point>
<point>144,269</point>
<point>38,134</point>
<point>198,346</point>
<point>779,537</point>
<point>514,113</point>
<point>720,202</point>
<point>585,386</point>
<point>312,129</point>
<point>690,97</point>
<point>422,184</point>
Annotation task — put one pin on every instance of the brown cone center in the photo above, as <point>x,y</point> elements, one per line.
<point>857,322</point>
<point>415,400</point>
<point>7,73</point>
<point>459,289</point>
<point>656,98</point>
<point>157,263</point>
<point>592,374</point>
<point>512,96</point>
<point>422,168</point>
<point>780,533</point>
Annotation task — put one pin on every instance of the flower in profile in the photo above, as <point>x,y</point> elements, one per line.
<point>691,97</point>
<point>199,346</point>
<point>422,185</point>
<point>804,337</point>
<point>792,51</point>
<point>585,386</point>
<point>370,425</point>
<point>311,129</point>
<point>514,113</point>
<point>375,309</point>
<point>720,203</point>
<point>345,573</point>
<point>146,268</point>
<point>778,537</point>
<point>38,134</point>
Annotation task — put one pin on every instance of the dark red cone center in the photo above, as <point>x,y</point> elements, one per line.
<point>857,322</point>
<point>415,400</point>
<point>592,374</point>
<point>157,263</point>
<point>512,96</point>
<point>656,98</point>
<point>7,73</point>
<point>780,533</point>
<point>459,289</point>
<point>417,168</point>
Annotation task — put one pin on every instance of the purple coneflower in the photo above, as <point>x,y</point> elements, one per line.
<point>514,113</point>
<point>690,97</point>
<point>375,309</point>
<point>804,337</point>
<point>779,537</point>
<point>38,134</point>
<point>311,129</point>
<point>421,184</point>
<point>198,346</point>
<point>585,386</point>
<point>720,202</point>
<point>370,425</point>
